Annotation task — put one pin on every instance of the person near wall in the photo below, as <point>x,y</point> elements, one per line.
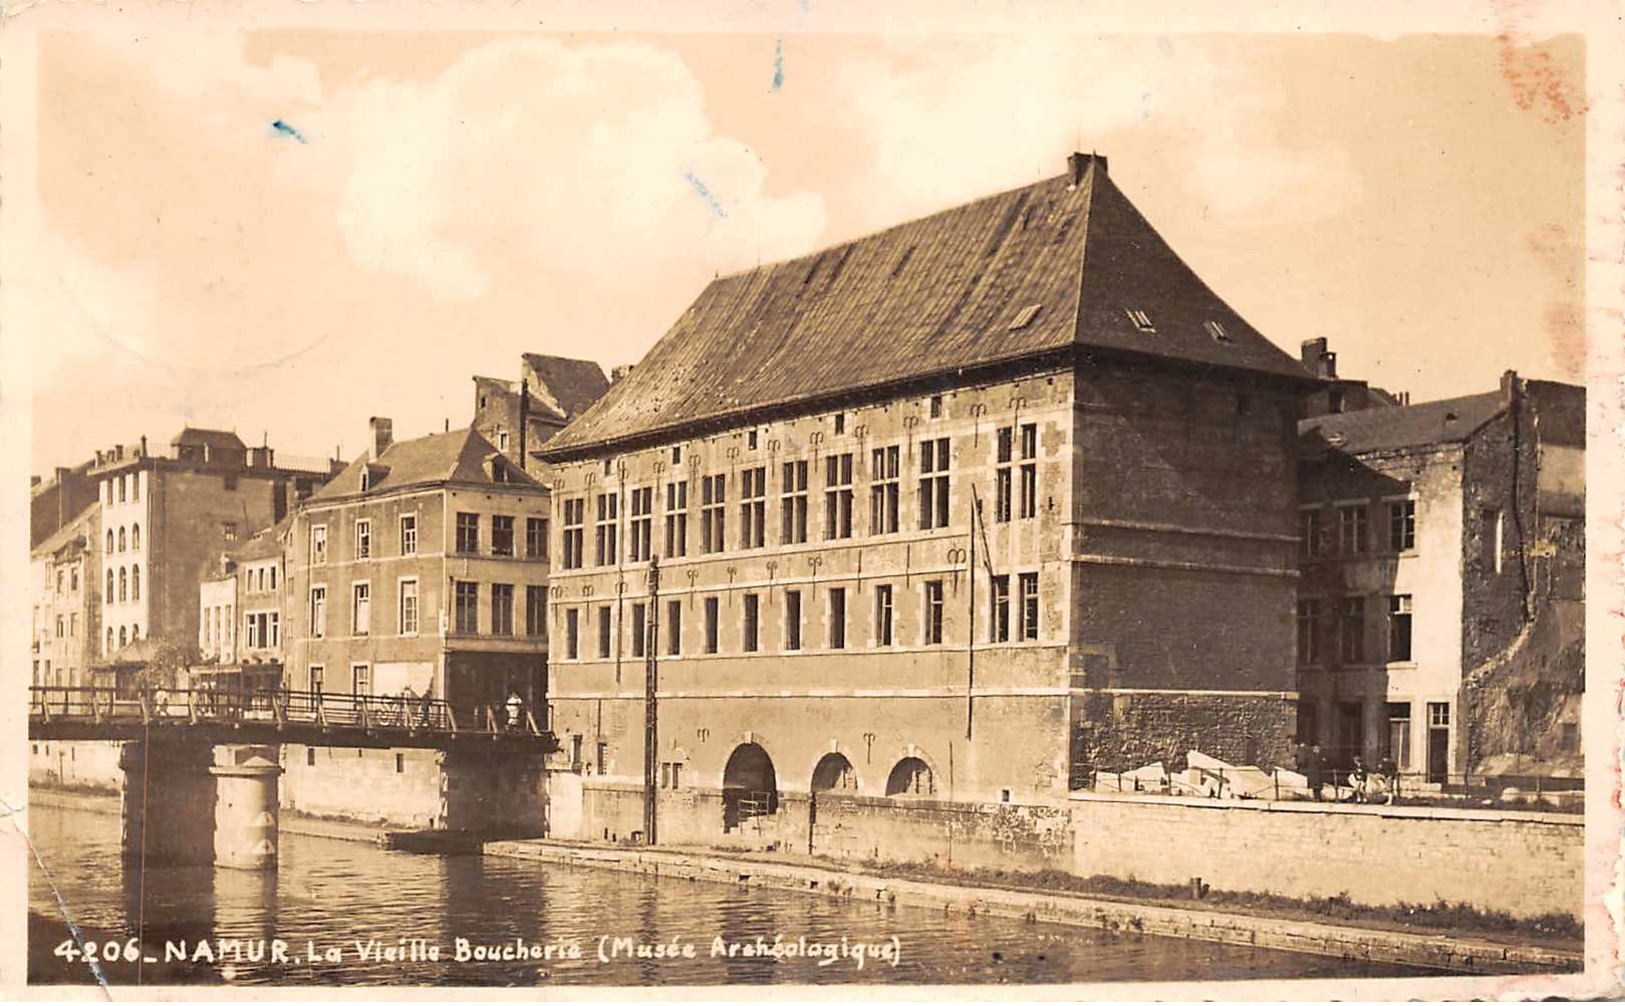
<point>516,710</point>
<point>1317,771</point>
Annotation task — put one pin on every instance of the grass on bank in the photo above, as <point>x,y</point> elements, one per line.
<point>1441,916</point>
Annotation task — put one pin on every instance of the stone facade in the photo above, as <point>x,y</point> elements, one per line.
<point>375,570</point>
<point>65,573</point>
<point>166,518</point>
<point>1138,648</point>
<point>1441,612</point>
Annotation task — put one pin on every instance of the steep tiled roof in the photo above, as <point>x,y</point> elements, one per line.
<point>567,387</point>
<point>1023,273</point>
<point>77,527</point>
<point>213,439</point>
<point>1450,420</point>
<point>457,456</point>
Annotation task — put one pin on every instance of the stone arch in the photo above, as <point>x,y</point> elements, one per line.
<point>911,776</point>
<point>121,539</point>
<point>834,772</point>
<point>123,584</point>
<point>750,786</point>
<point>109,541</point>
<point>123,635</point>
<point>135,537</point>
<point>135,583</point>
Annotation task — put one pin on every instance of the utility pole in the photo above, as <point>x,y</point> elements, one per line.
<point>651,715</point>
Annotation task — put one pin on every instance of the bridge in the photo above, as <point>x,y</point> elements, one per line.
<point>318,719</point>
<point>202,767</point>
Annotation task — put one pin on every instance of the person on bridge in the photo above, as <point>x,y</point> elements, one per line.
<point>516,710</point>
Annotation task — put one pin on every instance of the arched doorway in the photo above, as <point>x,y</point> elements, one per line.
<point>834,772</point>
<point>750,787</point>
<point>911,777</point>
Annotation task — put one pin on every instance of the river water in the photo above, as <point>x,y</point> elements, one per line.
<point>330,894</point>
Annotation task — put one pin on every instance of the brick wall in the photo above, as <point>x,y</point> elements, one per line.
<point>1523,863</point>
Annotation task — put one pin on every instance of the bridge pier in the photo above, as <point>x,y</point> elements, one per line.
<point>183,806</point>
<point>167,796</point>
<point>245,807</point>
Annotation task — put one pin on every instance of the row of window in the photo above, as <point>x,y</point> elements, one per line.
<point>1019,621</point>
<point>128,584</point>
<point>467,542</point>
<point>1349,532</point>
<point>62,576</point>
<point>67,626</point>
<point>260,579</point>
<point>218,627</point>
<point>127,487</point>
<point>497,617</point>
<point>126,634</point>
<point>131,542</point>
<point>1348,628</point>
<point>1015,496</point>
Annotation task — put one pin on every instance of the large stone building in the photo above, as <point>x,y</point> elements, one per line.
<point>64,567</point>
<point>165,517</point>
<point>961,510</point>
<point>422,565</point>
<point>1441,609</point>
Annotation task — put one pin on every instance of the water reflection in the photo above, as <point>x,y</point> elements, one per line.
<point>334,897</point>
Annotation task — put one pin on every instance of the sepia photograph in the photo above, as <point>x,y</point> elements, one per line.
<point>811,497</point>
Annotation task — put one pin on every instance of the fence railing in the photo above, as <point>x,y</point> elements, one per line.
<point>278,708</point>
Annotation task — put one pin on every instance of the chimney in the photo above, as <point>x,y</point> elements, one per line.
<point>383,434</point>
<point>1510,386</point>
<point>143,445</point>
<point>1077,163</point>
<point>524,418</point>
<point>1317,358</point>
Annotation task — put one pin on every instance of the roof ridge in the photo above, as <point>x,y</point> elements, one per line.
<point>883,231</point>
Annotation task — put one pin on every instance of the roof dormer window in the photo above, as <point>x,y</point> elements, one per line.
<point>1141,320</point>
<point>1217,331</point>
<point>1026,317</point>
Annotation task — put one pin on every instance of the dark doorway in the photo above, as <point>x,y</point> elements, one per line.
<point>1350,732</point>
<point>750,788</point>
<point>1438,742</point>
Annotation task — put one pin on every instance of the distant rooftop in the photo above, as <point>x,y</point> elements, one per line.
<point>1387,428</point>
<point>458,456</point>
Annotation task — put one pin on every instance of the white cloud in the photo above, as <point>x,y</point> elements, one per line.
<point>953,120</point>
<point>575,166</point>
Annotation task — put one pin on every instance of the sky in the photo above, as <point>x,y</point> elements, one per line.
<point>284,233</point>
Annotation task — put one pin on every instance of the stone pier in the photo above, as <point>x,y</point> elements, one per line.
<point>185,803</point>
<point>245,807</point>
<point>168,797</point>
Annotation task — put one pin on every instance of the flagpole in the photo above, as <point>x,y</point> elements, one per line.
<point>970,620</point>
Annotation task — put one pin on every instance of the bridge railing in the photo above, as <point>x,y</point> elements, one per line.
<point>373,714</point>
